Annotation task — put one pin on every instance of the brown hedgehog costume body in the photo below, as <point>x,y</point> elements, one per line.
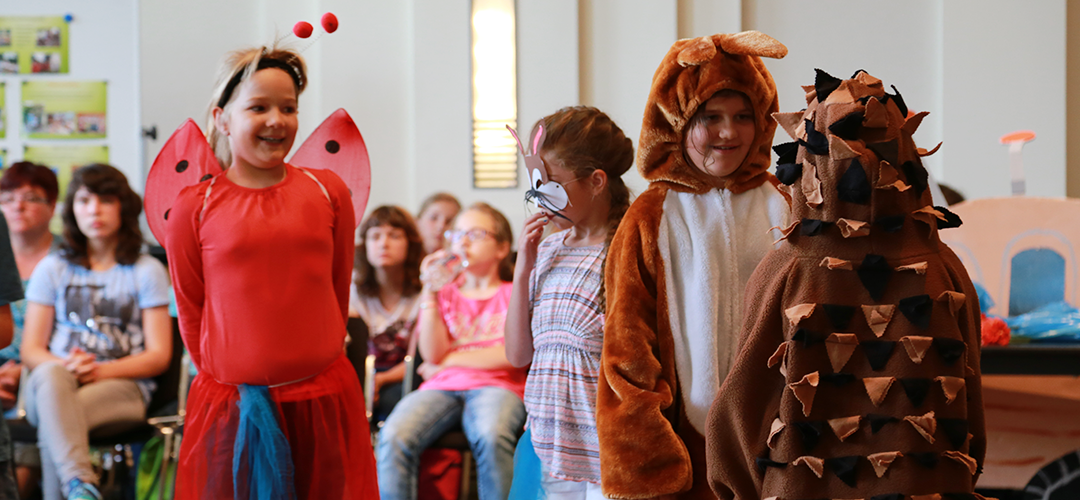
<point>858,375</point>
<point>676,269</point>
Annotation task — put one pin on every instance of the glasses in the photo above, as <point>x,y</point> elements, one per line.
<point>473,235</point>
<point>11,199</point>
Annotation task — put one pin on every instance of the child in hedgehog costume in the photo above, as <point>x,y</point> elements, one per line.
<point>858,374</point>
<point>680,259</point>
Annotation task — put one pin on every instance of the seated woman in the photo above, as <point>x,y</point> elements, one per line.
<point>384,293</point>
<point>96,330</point>
<point>434,218</point>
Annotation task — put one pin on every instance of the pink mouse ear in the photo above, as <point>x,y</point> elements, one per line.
<point>514,133</point>
<point>538,139</point>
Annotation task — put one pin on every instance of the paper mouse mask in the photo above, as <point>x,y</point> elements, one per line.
<point>550,196</point>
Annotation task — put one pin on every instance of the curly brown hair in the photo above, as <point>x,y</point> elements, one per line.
<point>388,215</point>
<point>102,180</point>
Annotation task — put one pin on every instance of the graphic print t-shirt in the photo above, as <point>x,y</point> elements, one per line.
<point>99,312</point>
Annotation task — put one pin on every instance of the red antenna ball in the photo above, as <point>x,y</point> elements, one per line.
<point>329,22</point>
<point>303,29</point>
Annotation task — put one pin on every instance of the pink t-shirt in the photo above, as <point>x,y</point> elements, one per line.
<point>475,324</point>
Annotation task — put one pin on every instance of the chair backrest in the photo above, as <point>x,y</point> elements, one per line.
<point>357,349</point>
<point>168,383</point>
<point>1022,250</point>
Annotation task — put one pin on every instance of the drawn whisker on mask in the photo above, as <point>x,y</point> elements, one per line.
<point>541,200</point>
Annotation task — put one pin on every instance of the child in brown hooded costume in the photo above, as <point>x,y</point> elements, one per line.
<point>680,259</point>
<point>858,374</point>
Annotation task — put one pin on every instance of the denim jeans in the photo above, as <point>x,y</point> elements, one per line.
<point>492,418</point>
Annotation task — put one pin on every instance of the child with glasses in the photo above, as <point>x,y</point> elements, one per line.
<point>468,381</point>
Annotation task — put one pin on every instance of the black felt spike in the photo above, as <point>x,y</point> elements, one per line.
<point>878,352</point>
<point>928,459</point>
<point>890,223</point>
<point>844,468</point>
<point>916,175</point>
<point>865,99</point>
<point>838,379</point>
<point>886,150</point>
<point>812,227</point>
<point>807,337</point>
<point>824,84</point>
<point>856,73</point>
<point>950,350</point>
<point>763,462</point>
<point>951,219</point>
<point>847,128</point>
<point>916,389</point>
<point>899,100</point>
<point>917,309</point>
<point>788,173</point>
<point>956,429</point>
<point>786,152</point>
<point>839,315</point>
<point>888,496</point>
<point>879,421</point>
<point>815,142</point>
<point>811,434</point>
<point>853,186</point>
<point>874,273</point>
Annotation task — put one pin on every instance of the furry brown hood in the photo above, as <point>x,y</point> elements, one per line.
<point>690,74</point>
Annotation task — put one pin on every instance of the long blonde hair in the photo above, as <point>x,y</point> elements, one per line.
<point>236,68</point>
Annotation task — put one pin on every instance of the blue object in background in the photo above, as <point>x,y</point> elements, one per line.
<point>1037,279</point>
<point>1057,322</point>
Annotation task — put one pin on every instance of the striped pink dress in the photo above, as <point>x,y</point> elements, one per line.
<point>568,332</point>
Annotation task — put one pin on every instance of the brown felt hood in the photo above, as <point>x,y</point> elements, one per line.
<point>692,72</point>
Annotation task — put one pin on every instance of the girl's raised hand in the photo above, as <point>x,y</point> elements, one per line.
<point>531,234</point>
<point>439,269</point>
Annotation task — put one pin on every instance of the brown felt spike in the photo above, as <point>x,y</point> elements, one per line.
<point>839,149</point>
<point>955,300</point>
<point>777,426</point>
<point>913,122</point>
<point>811,186</point>
<point>840,347</point>
<point>875,116</point>
<point>841,95</point>
<point>786,232</point>
<point>965,459</point>
<point>778,356</point>
<point>925,424</point>
<point>877,388</point>
<point>833,263</point>
<point>882,461</point>
<point>870,81</point>
<point>845,427</point>
<point>805,390</point>
<point>853,228</point>
<point>878,317</point>
<point>795,314</point>
<point>792,123</point>
<point>897,185</point>
<point>887,175</point>
<point>951,387</point>
<point>916,347</point>
<point>923,152</point>
<point>927,214</point>
<point>815,464</point>
<point>918,267</point>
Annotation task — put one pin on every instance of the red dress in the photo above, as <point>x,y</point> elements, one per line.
<point>262,287</point>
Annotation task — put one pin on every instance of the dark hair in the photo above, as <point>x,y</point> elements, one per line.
<point>396,217</point>
<point>24,173</point>
<point>586,139</point>
<point>439,197</point>
<point>503,234</point>
<point>102,180</point>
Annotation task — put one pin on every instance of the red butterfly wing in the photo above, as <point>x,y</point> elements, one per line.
<point>186,159</point>
<point>338,146</point>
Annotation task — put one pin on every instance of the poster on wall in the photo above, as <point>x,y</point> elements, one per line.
<point>3,158</point>
<point>3,113</point>
<point>65,159</point>
<point>64,109</point>
<point>33,44</point>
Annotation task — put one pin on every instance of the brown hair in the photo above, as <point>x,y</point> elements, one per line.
<point>586,139</point>
<point>503,234</point>
<point>102,180</point>
<point>237,68</point>
<point>440,197</point>
<point>396,217</point>
<point>24,173</point>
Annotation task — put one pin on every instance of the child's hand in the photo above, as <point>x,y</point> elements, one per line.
<point>439,269</point>
<point>77,357</point>
<point>531,234</point>
<point>428,370</point>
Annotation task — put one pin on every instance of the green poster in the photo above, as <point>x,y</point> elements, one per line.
<point>33,44</point>
<point>65,159</point>
<point>64,109</point>
<point>3,158</point>
<point>3,114</point>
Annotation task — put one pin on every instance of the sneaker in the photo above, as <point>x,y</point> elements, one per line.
<point>79,490</point>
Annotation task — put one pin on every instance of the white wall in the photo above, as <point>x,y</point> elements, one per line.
<point>103,45</point>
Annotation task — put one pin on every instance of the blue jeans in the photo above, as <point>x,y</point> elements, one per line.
<point>492,418</point>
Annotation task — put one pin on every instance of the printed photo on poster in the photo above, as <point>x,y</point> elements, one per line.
<point>33,44</point>
<point>3,112</point>
<point>3,158</point>
<point>64,109</point>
